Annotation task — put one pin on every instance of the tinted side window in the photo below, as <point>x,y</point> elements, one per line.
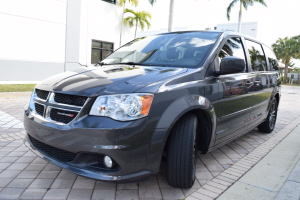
<point>232,47</point>
<point>271,58</point>
<point>257,56</point>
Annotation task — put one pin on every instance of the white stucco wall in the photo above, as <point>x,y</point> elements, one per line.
<point>247,28</point>
<point>32,39</point>
<point>40,38</point>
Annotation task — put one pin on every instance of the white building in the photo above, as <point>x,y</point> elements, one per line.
<point>41,38</point>
<point>247,28</point>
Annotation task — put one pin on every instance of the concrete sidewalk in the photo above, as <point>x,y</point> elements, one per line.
<point>276,176</point>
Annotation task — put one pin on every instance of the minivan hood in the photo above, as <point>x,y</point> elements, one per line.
<point>108,79</point>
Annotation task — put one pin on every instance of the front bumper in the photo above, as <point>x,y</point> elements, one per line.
<point>136,151</point>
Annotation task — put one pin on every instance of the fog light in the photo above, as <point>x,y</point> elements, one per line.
<point>108,162</point>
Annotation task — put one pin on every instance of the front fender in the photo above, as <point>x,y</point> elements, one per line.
<point>183,105</point>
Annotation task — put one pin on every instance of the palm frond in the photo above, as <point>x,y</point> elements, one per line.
<point>230,7</point>
<point>152,2</point>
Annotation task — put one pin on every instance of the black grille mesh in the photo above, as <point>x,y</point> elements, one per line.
<point>70,99</point>
<point>39,109</point>
<point>42,94</point>
<point>62,115</point>
<point>53,152</point>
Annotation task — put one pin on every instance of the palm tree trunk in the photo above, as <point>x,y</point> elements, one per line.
<point>240,17</point>
<point>136,24</point>
<point>170,27</point>
<point>122,25</point>
<point>286,69</point>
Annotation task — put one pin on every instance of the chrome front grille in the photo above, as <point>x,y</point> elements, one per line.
<point>42,94</point>
<point>63,116</point>
<point>56,107</point>
<point>69,99</point>
<point>39,109</point>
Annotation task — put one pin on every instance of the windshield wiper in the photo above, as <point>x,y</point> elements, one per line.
<point>142,64</point>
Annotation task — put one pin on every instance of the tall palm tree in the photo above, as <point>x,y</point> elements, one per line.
<point>171,11</point>
<point>140,19</point>
<point>122,3</point>
<point>245,4</point>
<point>286,49</point>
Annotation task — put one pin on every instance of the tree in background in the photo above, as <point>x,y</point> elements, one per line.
<point>136,19</point>
<point>122,3</point>
<point>287,49</point>
<point>245,4</point>
<point>171,11</point>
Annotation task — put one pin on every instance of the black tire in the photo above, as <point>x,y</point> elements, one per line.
<point>182,152</point>
<point>268,125</point>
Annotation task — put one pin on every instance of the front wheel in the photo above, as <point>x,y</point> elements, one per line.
<point>268,125</point>
<point>181,153</point>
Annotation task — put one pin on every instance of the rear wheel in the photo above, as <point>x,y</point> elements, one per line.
<point>269,125</point>
<point>181,153</point>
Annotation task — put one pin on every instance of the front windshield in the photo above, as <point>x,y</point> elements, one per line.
<point>186,49</point>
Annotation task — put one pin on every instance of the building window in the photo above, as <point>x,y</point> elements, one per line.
<point>110,1</point>
<point>100,50</point>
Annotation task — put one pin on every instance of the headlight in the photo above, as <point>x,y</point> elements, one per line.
<point>123,107</point>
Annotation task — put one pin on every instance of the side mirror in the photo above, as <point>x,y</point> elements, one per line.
<point>231,64</point>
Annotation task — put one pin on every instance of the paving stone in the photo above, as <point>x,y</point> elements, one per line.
<point>127,194</point>
<point>150,194</point>
<point>28,174</point>
<point>16,166</point>
<point>33,194</point>
<point>172,193</point>
<point>163,183</point>
<point>204,175</point>
<point>25,159</point>
<point>11,193</point>
<point>9,159</point>
<point>48,174</point>
<point>201,196</point>
<point>188,192</point>
<point>149,184</point>
<point>56,194</point>
<point>63,183</point>
<point>127,186</point>
<point>80,194</point>
<point>4,165</point>
<point>191,198</point>
<point>39,161</point>
<point>35,167</point>
<point>101,185</point>
<point>20,183</point>
<point>65,174</point>
<point>16,153</point>
<point>215,168</point>
<point>104,195</point>
<point>5,181</point>
<point>9,174</point>
<point>51,167</point>
<point>41,183</point>
<point>84,184</point>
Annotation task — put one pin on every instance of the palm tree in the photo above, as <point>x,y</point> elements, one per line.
<point>171,11</point>
<point>286,49</point>
<point>245,4</point>
<point>140,19</point>
<point>122,3</point>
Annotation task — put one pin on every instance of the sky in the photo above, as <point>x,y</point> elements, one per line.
<point>278,20</point>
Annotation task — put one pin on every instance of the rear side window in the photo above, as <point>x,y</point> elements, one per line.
<point>271,58</point>
<point>257,56</point>
<point>232,47</point>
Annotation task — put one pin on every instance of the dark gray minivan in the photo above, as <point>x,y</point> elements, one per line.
<point>169,94</point>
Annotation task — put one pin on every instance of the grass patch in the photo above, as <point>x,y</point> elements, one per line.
<point>16,87</point>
